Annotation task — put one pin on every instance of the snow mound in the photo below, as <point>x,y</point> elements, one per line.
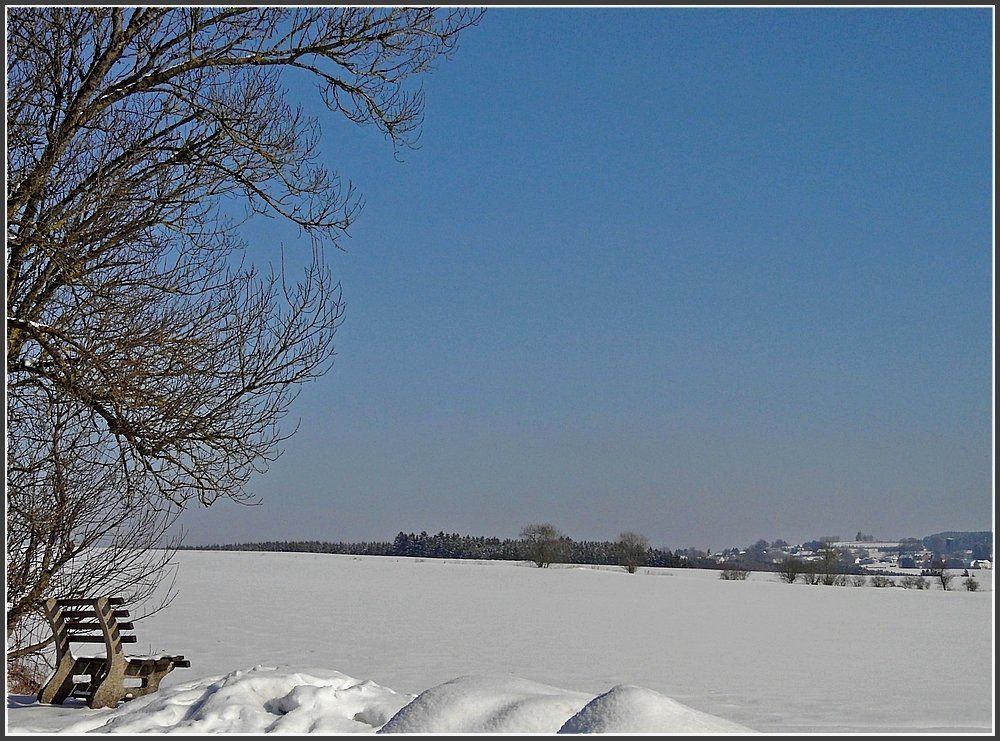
<point>630,709</point>
<point>487,704</point>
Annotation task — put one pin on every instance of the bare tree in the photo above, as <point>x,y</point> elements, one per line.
<point>633,549</point>
<point>142,343</point>
<point>940,571</point>
<point>544,544</point>
<point>829,562</point>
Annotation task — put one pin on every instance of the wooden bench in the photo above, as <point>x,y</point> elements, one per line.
<point>103,681</point>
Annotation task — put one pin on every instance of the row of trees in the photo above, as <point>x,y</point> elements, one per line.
<point>828,571</point>
<point>542,544</point>
<point>808,573</point>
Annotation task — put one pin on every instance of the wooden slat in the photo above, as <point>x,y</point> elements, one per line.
<point>88,601</point>
<point>96,626</point>
<point>100,639</point>
<point>83,614</point>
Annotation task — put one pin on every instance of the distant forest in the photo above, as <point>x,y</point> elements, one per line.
<point>980,543</point>
<point>453,545</point>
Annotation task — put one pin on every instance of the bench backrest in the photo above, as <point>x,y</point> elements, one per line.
<point>89,621</point>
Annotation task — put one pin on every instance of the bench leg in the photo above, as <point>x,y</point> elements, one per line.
<point>151,674</point>
<point>60,684</point>
<point>150,683</point>
<point>63,682</point>
<point>109,689</point>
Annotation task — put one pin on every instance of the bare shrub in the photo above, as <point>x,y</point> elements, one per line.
<point>25,675</point>
<point>811,574</point>
<point>789,569</point>
<point>912,581</point>
<point>879,580</point>
<point>971,585</point>
<point>734,573</point>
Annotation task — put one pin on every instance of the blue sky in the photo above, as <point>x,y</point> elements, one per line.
<point>712,275</point>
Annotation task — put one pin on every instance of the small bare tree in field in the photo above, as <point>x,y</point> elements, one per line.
<point>632,550</point>
<point>544,545</point>
<point>734,573</point>
<point>830,568</point>
<point>940,571</point>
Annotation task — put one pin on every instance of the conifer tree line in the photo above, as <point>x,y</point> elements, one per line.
<point>455,545</point>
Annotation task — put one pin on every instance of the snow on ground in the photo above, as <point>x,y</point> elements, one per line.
<point>317,643</point>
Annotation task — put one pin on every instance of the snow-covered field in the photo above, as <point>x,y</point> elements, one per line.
<point>317,643</point>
